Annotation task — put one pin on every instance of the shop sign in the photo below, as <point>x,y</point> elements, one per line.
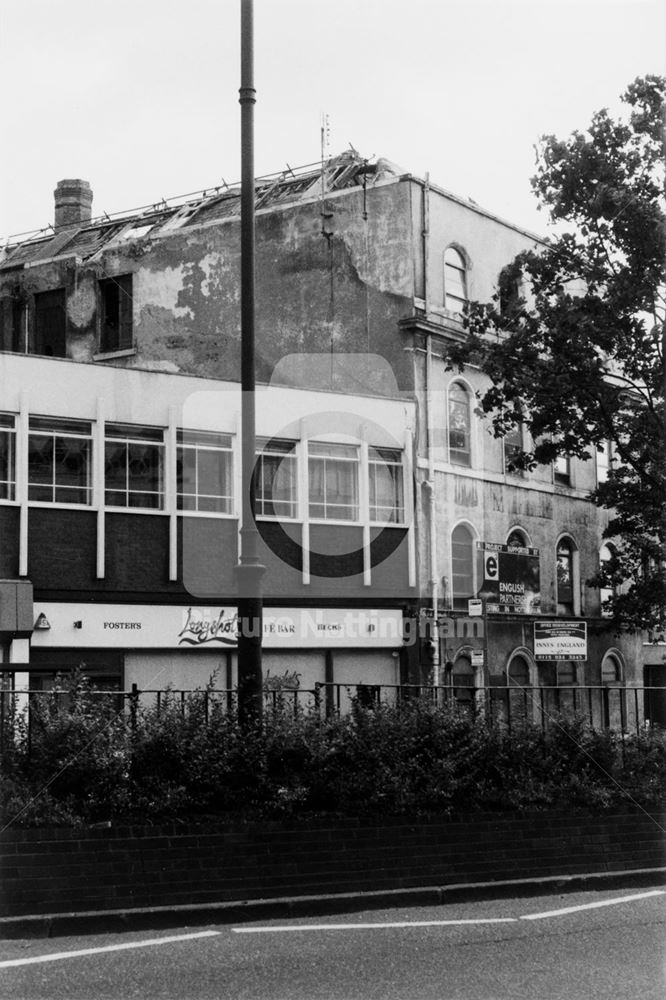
<point>560,640</point>
<point>198,627</point>
<point>509,578</point>
<point>477,657</point>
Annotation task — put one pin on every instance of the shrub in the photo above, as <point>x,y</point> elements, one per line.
<point>85,759</point>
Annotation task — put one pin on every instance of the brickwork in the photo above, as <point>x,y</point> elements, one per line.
<point>51,871</point>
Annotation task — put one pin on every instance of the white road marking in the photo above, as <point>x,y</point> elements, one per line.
<point>57,956</point>
<point>371,927</point>
<point>593,906</point>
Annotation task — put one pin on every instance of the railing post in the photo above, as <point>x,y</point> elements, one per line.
<point>134,704</point>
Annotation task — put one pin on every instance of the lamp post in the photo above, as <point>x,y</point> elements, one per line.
<point>249,569</point>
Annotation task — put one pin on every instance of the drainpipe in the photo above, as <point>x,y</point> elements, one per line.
<point>432,523</point>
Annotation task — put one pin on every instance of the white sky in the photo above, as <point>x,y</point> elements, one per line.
<point>140,97</point>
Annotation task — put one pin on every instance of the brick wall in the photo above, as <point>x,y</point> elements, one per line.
<point>51,871</point>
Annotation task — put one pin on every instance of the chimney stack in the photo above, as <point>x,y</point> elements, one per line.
<point>73,203</point>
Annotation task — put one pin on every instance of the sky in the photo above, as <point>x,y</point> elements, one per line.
<point>140,97</point>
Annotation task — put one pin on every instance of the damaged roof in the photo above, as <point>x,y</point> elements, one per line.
<point>84,240</point>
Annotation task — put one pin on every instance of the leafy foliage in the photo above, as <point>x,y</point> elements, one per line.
<point>574,341</point>
<point>81,762</point>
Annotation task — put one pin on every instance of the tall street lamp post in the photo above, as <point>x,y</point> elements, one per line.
<point>249,570</point>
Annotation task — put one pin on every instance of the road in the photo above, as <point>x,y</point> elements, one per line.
<point>579,946</point>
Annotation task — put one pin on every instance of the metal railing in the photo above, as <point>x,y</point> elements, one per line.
<point>608,707</point>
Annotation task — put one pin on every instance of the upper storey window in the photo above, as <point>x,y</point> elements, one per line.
<point>460,425</point>
<point>204,472</point>
<point>386,485</point>
<point>7,458</point>
<point>116,313</point>
<point>276,479</point>
<point>134,466</point>
<point>455,280</point>
<point>59,461</point>
<point>50,323</point>
<point>333,473</point>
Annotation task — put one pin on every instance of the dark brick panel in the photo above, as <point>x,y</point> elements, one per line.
<point>50,871</point>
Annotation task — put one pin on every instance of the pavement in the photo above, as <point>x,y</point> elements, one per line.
<point>48,925</point>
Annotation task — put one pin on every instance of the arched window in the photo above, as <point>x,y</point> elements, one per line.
<point>455,280</point>
<point>462,566</point>
<point>611,669</point>
<point>566,577</point>
<point>460,425</point>
<point>463,681</point>
<point>517,539</point>
<point>518,674</point>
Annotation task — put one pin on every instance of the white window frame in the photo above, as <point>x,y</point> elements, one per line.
<point>60,428</point>
<point>469,396</point>
<point>8,430</point>
<point>269,447</point>
<point>215,442</point>
<point>453,301</point>
<point>139,434</point>
<point>351,458</point>
<point>382,461</point>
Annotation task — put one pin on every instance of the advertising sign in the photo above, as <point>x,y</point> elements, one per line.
<point>560,640</point>
<point>509,579</point>
<point>190,627</point>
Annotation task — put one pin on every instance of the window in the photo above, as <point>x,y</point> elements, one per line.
<point>204,472</point>
<point>517,539</point>
<point>562,470</point>
<point>333,481</point>
<point>519,673</point>
<point>604,461</point>
<point>7,458</point>
<point>455,280</point>
<point>116,313</point>
<point>462,566</point>
<point>386,485</point>
<point>606,555</point>
<point>567,673</point>
<point>565,577</point>
<point>50,323</point>
<point>513,446</point>
<point>59,461</point>
<point>276,479</point>
<point>460,450</point>
<point>12,323</point>
<point>611,669</point>
<point>133,466</point>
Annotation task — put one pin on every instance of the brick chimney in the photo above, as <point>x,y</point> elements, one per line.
<point>73,203</point>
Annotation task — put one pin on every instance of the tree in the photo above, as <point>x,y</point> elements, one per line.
<point>574,340</point>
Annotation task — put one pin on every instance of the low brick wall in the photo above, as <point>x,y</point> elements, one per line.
<point>62,870</point>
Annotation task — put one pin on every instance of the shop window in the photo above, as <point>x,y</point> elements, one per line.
<point>204,472</point>
<point>116,314</point>
<point>386,485</point>
<point>59,461</point>
<point>7,458</point>
<point>566,582</point>
<point>462,566</point>
<point>562,470</point>
<point>134,466</point>
<point>276,484</point>
<point>333,481</point>
<point>513,447</point>
<point>455,280</point>
<point>460,425</point>
<point>51,323</point>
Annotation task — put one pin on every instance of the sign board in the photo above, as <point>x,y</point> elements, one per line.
<point>190,627</point>
<point>560,640</point>
<point>474,607</point>
<point>476,657</point>
<point>509,579</point>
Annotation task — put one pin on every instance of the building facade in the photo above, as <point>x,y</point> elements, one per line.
<point>362,274</point>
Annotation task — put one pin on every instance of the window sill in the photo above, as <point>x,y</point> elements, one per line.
<point>126,352</point>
